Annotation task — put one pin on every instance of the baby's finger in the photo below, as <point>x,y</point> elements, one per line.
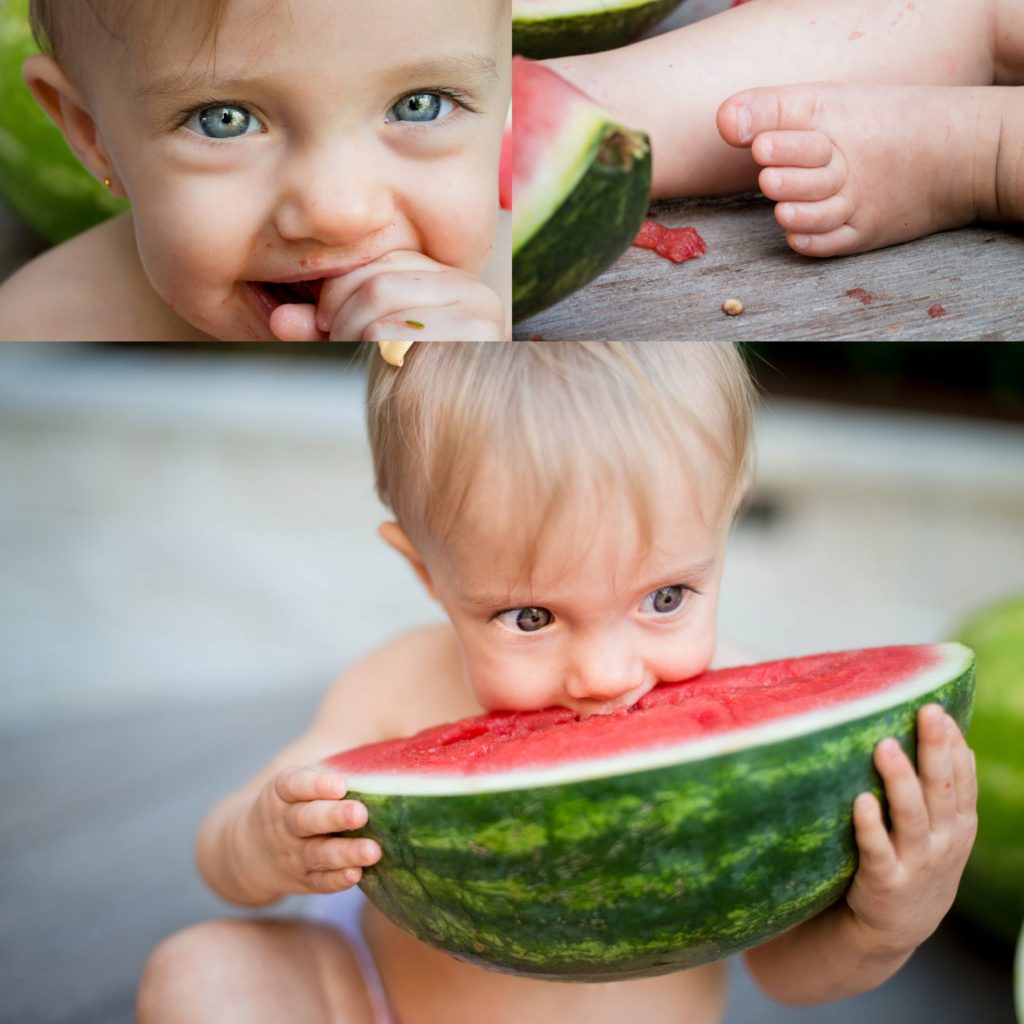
<point>907,809</point>
<point>877,856</point>
<point>440,323</point>
<point>337,291</point>
<point>965,776</point>
<point>298,784</point>
<point>328,854</point>
<point>935,764</point>
<point>325,817</point>
<point>391,294</point>
<point>295,321</point>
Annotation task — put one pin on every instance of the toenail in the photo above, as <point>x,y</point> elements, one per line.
<point>772,179</point>
<point>786,212</point>
<point>766,148</point>
<point>744,121</point>
<point>801,241</point>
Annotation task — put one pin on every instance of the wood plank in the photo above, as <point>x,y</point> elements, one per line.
<point>973,273</point>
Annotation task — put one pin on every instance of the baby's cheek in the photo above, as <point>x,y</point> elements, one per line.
<point>459,232</point>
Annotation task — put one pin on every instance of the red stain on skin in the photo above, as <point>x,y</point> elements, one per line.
<point>911,5</point>
<point>856,35</point>
<point>859,293</point>
<point>936,311</point>
<point>304,262</point>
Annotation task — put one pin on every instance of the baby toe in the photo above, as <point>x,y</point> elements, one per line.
<point>801,184</point>
<point>840,242</point>
<point>793,149</point>
<point>814,217</point>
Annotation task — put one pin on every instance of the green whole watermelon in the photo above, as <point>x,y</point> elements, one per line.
<point>991,893</point>
<point>711,815</point>
<point>39,175</point>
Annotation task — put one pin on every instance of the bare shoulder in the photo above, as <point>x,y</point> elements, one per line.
<point>90,288</point>
<point>409,683</point>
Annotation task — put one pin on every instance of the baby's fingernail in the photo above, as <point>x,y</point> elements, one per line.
<point>359,816</point>
<point>352,875</point>
<point>744,122</point>
<point>322,322</point>
<point>369,851</point>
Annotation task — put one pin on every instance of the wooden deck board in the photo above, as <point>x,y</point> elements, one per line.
<point>976,274</point>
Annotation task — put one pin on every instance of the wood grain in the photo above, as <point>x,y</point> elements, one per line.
<point>976,274</point>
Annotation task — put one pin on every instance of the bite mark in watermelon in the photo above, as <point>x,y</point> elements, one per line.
<point>580,187</point>
<point>559,28</point>
<point>712,815</point>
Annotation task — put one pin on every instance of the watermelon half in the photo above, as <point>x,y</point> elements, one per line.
<point>713,814</point>
<point>558,28</point>
<point>991,892</point>
<point>580,187</point>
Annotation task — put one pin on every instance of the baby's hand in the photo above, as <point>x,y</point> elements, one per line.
<point>402,296</point>
<point>293,824</point>
<point>908,876</point>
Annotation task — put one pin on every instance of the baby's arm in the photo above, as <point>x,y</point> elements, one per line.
<point>403,296</point>
<point>906,880</point>
<point>275,835</point>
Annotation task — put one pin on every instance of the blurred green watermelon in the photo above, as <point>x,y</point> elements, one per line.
<point>992,890</point>
<point>39,175</point>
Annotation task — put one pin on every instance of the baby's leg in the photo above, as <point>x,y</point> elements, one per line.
<point>672,85</point>
<point>253,972</point>
<point>855,168</point>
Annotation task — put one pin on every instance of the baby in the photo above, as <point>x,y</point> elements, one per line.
<point>297,171</point>
<point>568,506</point>
<point>914,123</point>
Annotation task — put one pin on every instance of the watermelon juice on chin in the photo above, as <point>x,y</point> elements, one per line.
<point>710,816</point>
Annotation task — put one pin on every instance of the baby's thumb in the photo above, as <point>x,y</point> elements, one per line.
<point>295,322</point>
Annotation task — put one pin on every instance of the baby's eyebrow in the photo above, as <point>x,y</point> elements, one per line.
<point>432,71</point>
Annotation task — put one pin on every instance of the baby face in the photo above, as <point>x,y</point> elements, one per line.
<point>600,619</point>
<point>317,137</point>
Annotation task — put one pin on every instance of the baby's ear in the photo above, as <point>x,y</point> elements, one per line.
<point>64,105</point>
<point>394,535</point>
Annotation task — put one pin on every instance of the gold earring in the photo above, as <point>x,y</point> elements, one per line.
<point>107,183</point>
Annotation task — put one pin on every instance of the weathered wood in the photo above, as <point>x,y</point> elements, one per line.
<point>975,274</point>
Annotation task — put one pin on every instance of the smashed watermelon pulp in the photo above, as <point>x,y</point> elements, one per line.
<point>710,816</point>
<point>558,28</point>
<point>580,184</point>
<point>675,244</point>
<point>39,175</point>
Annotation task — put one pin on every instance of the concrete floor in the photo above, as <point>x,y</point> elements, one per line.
<point>188,558</point>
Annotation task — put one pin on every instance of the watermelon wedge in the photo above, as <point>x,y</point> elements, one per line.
<point>580,187</point>
<point>711,815</point>
<point>558,28</point>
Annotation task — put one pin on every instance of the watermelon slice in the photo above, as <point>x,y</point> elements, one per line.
<point>558,28</point>
<point>580,187</point>
<point>713,814</point>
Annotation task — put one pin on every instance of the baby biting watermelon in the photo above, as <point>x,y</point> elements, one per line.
<point>710,816</point>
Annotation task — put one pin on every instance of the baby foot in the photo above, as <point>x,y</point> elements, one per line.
<point>854,168</point>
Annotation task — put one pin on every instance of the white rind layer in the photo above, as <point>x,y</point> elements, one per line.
<point>954,660</point>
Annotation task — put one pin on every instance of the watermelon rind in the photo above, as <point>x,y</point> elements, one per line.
<point>991,893</point>
<point>648,862</point>
<point>1018,976</point>
<point>556,253</point>
<point>39,175</point>
<point>565,27</point>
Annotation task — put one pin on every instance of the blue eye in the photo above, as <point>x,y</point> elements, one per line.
<point>664,599</point>
<point>526,620</point>
<point>421,107</point>
<point>224,121</point>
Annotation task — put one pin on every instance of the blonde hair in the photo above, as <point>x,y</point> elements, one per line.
<point>66,29</point>
<point>553,416</point>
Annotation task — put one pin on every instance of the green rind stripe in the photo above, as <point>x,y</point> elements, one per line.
<point>643,873</point>
<point>543,35</point>
<point>586,234</point>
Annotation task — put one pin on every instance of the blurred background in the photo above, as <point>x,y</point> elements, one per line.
<point>189,558</point>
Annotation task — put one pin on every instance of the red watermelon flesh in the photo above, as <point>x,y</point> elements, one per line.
<point>795,694</point>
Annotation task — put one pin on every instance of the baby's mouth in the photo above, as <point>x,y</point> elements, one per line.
<point>294,291</point>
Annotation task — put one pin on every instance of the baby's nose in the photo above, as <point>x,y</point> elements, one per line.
<point>333,196</point>
<point>606,673</point>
